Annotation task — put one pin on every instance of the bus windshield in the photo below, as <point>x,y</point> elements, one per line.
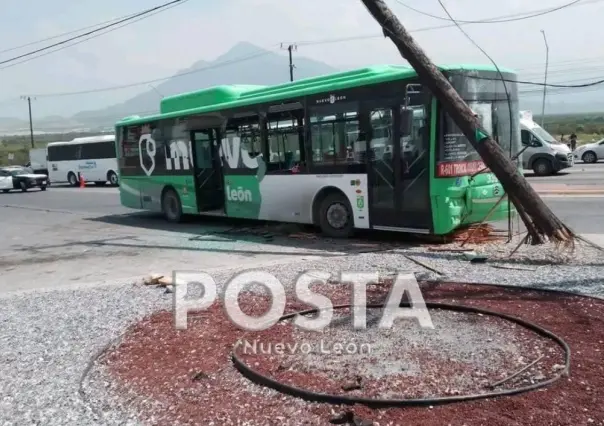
<point>485,93</point>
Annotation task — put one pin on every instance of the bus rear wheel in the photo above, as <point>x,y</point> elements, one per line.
<point>335,216</point>
<point>171,206</point>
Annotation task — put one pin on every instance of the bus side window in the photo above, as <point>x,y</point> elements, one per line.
<point>336,138</point>
<point>247,129</point>
<point>130,147</point>
<point>285,141</point>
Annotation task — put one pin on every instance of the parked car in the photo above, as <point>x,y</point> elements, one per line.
<point>23,178</point>
<point>591,152</point>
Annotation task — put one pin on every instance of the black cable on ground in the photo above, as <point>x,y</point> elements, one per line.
<point>514,287</point>
<point>269,382</point>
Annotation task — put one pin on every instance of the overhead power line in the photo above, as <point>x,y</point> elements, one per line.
<point>145,12</point>
<point>519,16</point>
<point>303,43</point>
<point>140,18</point>
<point>425,29</point>
<point>265,52</point>
<point>146,82</point>
<point>79,30</point>
<point>536,83</point>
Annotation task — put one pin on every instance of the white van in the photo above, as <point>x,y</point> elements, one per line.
<point>37,160</point>
<point>92,157</point>
<point>543,154</point>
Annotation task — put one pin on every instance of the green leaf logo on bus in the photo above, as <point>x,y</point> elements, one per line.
<point>150,146</point>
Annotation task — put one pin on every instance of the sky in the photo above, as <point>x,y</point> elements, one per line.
<point>173,40</point>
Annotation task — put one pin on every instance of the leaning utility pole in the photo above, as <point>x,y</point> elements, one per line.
<point>291,62</point>
<point>540,221</point>
<point>31,126</point>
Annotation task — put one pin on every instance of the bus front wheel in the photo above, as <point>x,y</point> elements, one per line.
<point>171,206</point>
<point>335,216</point>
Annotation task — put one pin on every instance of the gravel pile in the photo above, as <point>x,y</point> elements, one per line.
<point>579,269</point>
<point>46,342</point>
<point>47,339</point>
<point>462,355</point>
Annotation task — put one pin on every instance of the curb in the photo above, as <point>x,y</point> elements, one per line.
<point>572,192</point>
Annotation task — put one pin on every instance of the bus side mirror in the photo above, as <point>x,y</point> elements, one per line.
<point>406,117</point>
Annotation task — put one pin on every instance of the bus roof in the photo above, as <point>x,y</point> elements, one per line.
<point>56,143</point>
<point>231,96</point>
<point>87,139</point>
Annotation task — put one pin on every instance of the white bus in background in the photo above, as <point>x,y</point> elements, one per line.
<point>93,157</point>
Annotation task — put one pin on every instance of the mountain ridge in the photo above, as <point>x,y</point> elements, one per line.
<point>243,63</point>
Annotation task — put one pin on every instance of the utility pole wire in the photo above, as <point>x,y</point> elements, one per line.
<point>145,12</point>
<point>140,83</point>
<point>520,16</point>
<point>140,18</point>
<point>31,43</point>
<point>424,29</point>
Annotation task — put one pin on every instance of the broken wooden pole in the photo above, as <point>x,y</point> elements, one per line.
<point>537,216</point>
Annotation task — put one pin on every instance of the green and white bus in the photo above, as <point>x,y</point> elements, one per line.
<point>363,149</point>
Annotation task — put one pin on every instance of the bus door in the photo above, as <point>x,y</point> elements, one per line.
<point>209,186</point>
<point>398,167</point>
<point>383,166</point>
<point>416,207</point>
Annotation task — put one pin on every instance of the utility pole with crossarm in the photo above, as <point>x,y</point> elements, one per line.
<point>31,127</point>
<point>291,48</point>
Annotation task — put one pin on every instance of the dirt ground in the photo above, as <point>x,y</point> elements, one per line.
<point>190,375</point>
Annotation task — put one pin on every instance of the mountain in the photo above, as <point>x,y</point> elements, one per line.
<point>244,63</point>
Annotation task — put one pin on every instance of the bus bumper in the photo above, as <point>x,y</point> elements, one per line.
<point>469,202</point>
<point>481,204</point>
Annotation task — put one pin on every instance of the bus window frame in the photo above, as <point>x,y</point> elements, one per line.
<point>297,112</point>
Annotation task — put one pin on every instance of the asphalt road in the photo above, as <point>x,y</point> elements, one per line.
<point>579,174</point>
<point>56,238</point>
<point>89,201</point>
<point>583,214</point>
<point>84,237</point>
